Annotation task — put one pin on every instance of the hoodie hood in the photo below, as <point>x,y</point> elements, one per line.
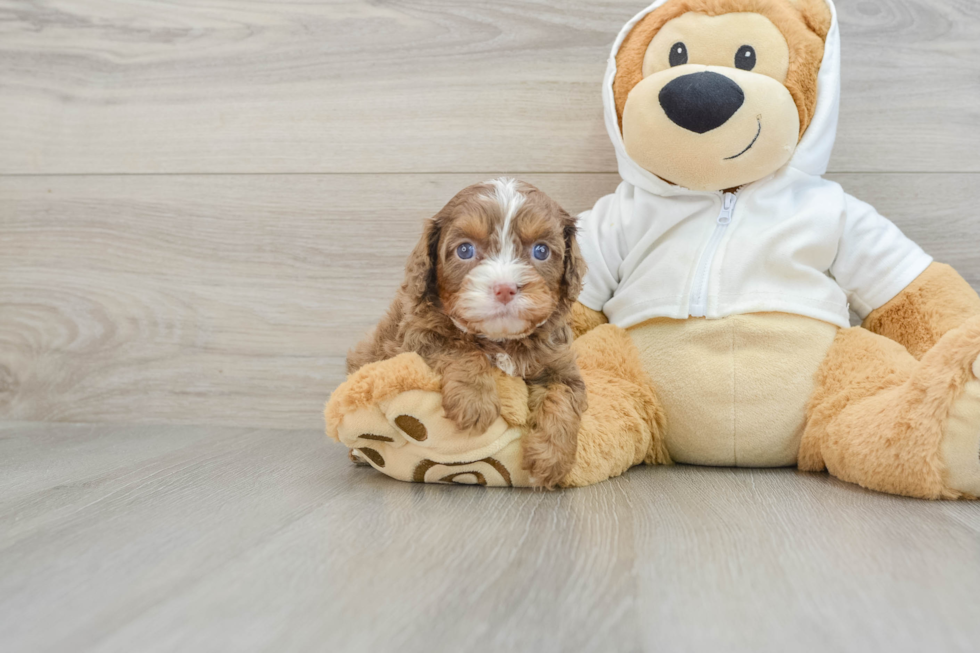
<point>812,155</point>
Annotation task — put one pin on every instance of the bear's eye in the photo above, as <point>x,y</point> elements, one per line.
<point>678,54</point>
<point>745,57</point>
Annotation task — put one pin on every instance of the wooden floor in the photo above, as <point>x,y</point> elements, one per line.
<point>166,538</point>
<point>204,204</point>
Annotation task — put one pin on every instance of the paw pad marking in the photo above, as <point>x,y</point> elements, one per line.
<point>376,438</point>
<point>357,458</point>
<point>463,478</point>
<point>372,455</point>
<point>425,465</point>
<point>412,427</point>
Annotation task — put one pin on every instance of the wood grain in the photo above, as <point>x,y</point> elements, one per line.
<point>232,299</point>
<point>141,283</point>
<point>179,86</point>
<point>202,539</point>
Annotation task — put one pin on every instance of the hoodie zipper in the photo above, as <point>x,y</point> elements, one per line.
<point>699,289</point>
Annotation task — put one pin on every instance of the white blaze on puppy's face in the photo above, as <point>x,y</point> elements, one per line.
<point>502,296</point>
<point>502,268</point>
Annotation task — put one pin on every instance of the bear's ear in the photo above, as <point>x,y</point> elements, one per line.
<point>816,15</point>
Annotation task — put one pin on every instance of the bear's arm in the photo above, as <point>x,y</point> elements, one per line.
<point>584,319</point>
<point>938,301</point>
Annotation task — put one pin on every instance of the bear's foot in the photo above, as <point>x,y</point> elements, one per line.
<point>960,448</point>
<point>390,415</point>
<point>886,421</point>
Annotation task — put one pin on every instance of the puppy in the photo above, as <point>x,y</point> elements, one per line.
<point>492,282</point>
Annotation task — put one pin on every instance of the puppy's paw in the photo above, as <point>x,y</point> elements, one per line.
<point>471,408</point>
<point>546,462</point>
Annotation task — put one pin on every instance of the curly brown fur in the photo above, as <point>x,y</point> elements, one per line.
<point>557,401</point>
<point>449,311</point>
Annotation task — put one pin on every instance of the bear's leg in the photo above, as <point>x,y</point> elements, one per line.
<point>623,425</point>
<point>884,420</point>
<point>390,414</point>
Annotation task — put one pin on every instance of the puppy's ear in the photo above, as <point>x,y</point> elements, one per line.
<point>421,280</point>
<point>575,267</point>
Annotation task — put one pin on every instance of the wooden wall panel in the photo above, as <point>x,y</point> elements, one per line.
<point>232,299</point>
<point>100,86</point>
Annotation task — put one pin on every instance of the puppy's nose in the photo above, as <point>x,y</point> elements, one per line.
<point>504,292</point>
<point>700,102</point>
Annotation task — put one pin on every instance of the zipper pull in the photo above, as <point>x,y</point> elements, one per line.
<point>727,209</point>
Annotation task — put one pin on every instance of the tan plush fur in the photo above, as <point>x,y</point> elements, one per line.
<point>804,34</point>
<point>816,15</point>
<point>625,423</point>
<point>364,388</point>
<point>513,398</point>
<point>878,416</point>
<point>934,304</point>
<point>584,319</point>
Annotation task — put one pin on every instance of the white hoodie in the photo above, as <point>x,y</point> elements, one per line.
<point>792,242</point>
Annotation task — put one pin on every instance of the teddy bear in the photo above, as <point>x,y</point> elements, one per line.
<point>714,323</point>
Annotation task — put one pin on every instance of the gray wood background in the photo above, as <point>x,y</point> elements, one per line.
<point>202,205</point>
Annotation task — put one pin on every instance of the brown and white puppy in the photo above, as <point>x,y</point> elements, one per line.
<point>492,282</point>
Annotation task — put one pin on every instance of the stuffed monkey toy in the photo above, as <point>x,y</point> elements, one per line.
<point>713,328</point>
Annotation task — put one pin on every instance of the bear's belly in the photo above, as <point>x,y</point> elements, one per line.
<point>734,390</point>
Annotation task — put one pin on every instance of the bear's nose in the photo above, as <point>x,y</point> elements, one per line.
<point>700,102</point>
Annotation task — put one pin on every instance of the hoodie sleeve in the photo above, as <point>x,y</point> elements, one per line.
<point>875,260</point>
<point>599,238</point>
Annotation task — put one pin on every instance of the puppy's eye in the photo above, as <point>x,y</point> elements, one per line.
<point>465,251</point>
<point>541,252</point>
<point>678,54</point>
<point>745,57</point>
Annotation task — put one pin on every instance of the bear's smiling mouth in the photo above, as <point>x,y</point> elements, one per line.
<point>759,131</point>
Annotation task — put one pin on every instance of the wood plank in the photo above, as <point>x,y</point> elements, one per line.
<point>203,539</point>
<point>233,299</point>
<point>192,298</point>
<point>777,560</point>
<point>93,86</point>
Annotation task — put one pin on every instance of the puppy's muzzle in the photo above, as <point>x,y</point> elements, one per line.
<point>700,102</point>
<point>504,292</point>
